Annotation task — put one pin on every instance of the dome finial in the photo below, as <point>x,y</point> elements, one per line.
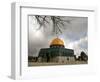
<point>57,35</point>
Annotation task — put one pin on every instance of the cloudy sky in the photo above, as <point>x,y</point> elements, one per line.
<point>74,35</point>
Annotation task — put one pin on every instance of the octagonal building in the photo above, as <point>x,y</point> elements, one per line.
<point>56,53</point>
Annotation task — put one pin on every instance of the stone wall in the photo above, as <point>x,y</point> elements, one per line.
<point>58,59</point>
<point>64,59</point>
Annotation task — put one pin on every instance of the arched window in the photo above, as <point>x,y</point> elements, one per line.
<point>62,61</point>
<point>67,59</point>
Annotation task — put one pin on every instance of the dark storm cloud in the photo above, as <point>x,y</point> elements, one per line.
<point>74,35</point>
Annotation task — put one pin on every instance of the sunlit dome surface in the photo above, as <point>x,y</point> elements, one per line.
<point>57,41</point>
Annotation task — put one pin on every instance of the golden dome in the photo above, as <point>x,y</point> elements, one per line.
<point>57,41</point>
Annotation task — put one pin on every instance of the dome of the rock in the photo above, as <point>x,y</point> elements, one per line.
<point>57,41</point>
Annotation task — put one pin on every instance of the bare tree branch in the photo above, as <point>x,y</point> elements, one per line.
<point>57,21</point>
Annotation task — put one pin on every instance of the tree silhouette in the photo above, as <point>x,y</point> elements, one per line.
<point>84,56</point>
<point>58,22</point>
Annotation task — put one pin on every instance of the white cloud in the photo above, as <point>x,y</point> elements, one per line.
<point>76,45</point>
